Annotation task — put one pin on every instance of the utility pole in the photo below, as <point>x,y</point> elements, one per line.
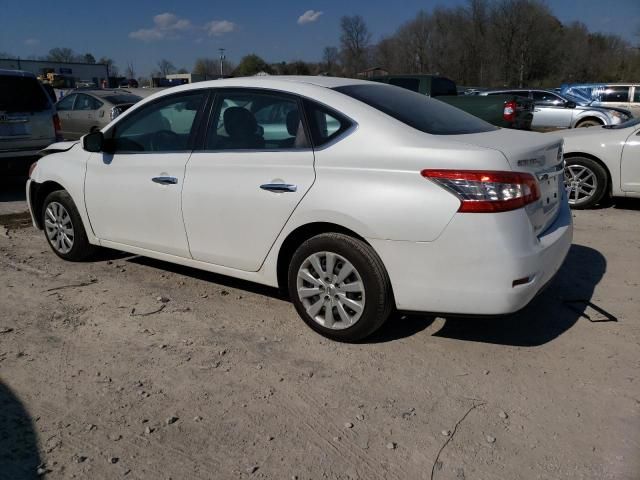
<point>222,58</point>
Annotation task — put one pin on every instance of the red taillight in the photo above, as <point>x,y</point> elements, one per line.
<point>509,112</point>
<point>487,191</point>
<point>57,127</point>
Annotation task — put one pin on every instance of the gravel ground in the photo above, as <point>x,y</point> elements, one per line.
<point>130,367</point>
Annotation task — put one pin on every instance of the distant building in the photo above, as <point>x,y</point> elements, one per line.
<point>373,72</point>
<point>68,73</point>
<point>174,78</point>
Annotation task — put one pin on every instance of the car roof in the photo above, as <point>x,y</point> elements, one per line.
<point>16,73</point>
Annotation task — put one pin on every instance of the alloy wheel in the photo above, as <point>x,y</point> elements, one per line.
<point>331,290</point>
<point>59,227</point>
<point>581,183</point>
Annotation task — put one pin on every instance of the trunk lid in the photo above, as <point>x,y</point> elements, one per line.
<point>534,153</point>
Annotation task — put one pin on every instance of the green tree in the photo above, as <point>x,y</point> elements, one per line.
<point>88,58</point>
<point>250,65</point>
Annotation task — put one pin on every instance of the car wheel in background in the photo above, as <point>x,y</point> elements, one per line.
<point>63,227</point>
<point>588,123</point>
<point>586,182</point>
<point>340,287</point>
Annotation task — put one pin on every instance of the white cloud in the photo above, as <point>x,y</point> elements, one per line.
<point>309,16</point>
<point>166,25</point>
<point>215,28</point>
<point>31,42</point>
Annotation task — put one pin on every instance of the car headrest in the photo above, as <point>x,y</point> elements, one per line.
<point>239,122</point>
<point>293,121</point>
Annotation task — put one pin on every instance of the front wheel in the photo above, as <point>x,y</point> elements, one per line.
<point>340,287</point>
<point>63,227</point>
<point>586,182</point>
<point>589,123</point>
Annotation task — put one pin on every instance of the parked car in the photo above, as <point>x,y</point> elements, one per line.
<point>28,120</point>
<point>377,197</point>
<point>602,162</point>
<point>553,111</point>
<point>128,83</point>
<point>610,95</point>
<point>83,110</point>
<point>509,111</point>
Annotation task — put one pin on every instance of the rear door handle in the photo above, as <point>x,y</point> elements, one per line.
<point>165,180</point>
<point>279,187</point>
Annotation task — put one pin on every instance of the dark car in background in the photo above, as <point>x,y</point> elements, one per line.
<point>28,120</point>
<point>508,111</point>
<point>83,110</point>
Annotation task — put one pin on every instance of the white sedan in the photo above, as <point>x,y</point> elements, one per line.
<point>355,197</point>
<point>602,162</point>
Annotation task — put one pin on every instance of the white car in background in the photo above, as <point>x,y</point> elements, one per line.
<point>602,162</point>
<point>355,197</point>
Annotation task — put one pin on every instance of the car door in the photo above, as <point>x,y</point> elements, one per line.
<point>84,113</point>
<point>630,163</point>
<point>133,192</point>
<point>64,108</point>
<point>255,166</point>
<point>550,111</point>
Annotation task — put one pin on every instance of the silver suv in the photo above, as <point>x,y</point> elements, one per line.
<point>554,111</point>
<point>28,120</point>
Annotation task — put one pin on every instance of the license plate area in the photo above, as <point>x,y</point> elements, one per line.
<point>551,183</point>
<point>14,127</point>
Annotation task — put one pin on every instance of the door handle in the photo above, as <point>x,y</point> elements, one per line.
<point>279,187</point>
<point>165,180</point>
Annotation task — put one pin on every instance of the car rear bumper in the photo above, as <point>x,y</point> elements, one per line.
<point>471,268</point>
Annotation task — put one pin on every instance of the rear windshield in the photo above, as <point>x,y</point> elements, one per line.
<point>117,99</point>
<point>22,94</point>
<point>418,111</point>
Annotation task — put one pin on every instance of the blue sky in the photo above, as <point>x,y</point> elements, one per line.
<point>144,31</point>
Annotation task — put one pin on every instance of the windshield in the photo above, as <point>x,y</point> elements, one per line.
<point>632,122</point>
<point>416,110</point>
<point>116,99</point>
<point>22,94</point>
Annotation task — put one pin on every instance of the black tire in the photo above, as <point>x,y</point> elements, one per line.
<point>589,123</point>
<point>601,177</point>
<point>377,287</point>
<point>80,249</point>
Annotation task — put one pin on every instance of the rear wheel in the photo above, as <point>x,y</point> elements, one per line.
<point>339,287</point>
<point>63,227</point>
<point>586,182</point>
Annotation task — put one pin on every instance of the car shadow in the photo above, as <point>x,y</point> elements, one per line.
<point>19,455</point>
<point>626,203</point>
<point>554,311</point>
<point>566,300</point>
<point>12,188</point>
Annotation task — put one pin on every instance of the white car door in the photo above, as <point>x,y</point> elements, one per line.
<point>133,195</point>
<point>240,190</point>
<point>630,163</point>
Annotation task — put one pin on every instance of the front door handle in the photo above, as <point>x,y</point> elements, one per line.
<point>279,187</point>
<point>165,180</point>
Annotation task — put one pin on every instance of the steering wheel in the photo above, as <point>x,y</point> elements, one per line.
<point>164,140</point>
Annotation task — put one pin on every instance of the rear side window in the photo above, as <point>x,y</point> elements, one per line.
<point>22,94</point>
<point>412,84</point>
<point>325,124</point>
<point>615,94</point>
<point>418,111</point>
<point>442,87</point>
<point>66,103</point>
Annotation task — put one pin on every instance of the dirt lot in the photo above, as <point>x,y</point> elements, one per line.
<point>226,382</point>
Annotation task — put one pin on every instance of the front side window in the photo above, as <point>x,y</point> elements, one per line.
<point>442,87</point>
<point>165,125</point>
<point>546,98</point>
<point>412,84</point>
<point>246,120</point>
<point>615,94</point>
<point>66,103</point>
<point>636,95</point>
<point>418,111</point>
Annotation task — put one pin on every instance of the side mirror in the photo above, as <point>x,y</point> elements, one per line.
<point>93,142</point>
<point>570,104</point>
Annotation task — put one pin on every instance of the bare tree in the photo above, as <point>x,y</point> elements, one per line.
<point>111,66</point>
<point>206,67</point>
<point>165,67</point>
<point>354,41</point>
<point>330,58</point>
<point>130,71</point>
<point>61,55</point>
